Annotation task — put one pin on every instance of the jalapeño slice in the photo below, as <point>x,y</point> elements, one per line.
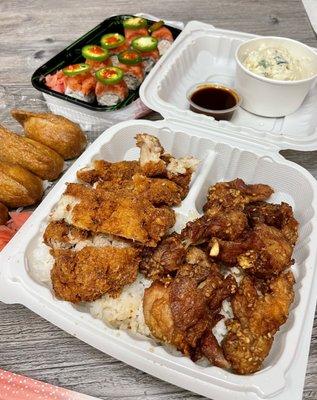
<point>112,40</point>
<point>94,52</point>
<point>76,69</point>
<point>130,57</point>
<point>109,75</point>
<point>135,23</point>
<point>144,43</point>
<point>157,25</point>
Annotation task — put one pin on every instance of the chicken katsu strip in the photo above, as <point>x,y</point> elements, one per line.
<point>234,195</point>
<point>101,170</point>
<point>87,274</point>
<point>157,190</point>
<point>154,162</point>
<point>59,234</point>
<point>256,320</point>
<point>278,215</point>
<point>126,215</point>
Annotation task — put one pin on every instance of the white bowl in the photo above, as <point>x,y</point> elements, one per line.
<point>269,97</point>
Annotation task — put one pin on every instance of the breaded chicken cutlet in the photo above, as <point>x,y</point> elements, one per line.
<point>87,274</point>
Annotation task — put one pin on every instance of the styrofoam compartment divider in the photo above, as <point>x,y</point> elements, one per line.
<point>202,53</point>
<point>281,376</point>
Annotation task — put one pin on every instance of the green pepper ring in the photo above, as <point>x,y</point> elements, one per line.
<point>129,61</point>
<point>82,67</point>
<point>129,24</point>
<point>105,45</point>
<point>157,25</point>
<point>151,43</point>
<point>109,81</point>
<point>85,51</point>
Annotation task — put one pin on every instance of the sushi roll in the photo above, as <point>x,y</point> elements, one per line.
<point>163,35</point>
<point>135,27</point>
<point>114,43</point>
<point>96,57</point>
<point>56,81</point>
<point>147,46</point>
<point>79,83</point>
<point>111,88</point>
<point>131,65</point>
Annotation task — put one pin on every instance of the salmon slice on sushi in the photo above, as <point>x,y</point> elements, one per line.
<point>130,62</point>
<point>79,82</point>
<point>135,27</point>
<point>114,43</point>
<point>163,35</point>
<point>56,81</point>
<point>96,57</point>
<point>111,88</point>
<point>147,47</point>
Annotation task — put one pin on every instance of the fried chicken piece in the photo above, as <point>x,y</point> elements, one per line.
<point>183,311</point>
<point>256,320</point>
<point>167,257</point>
<point>126,215</point>
<point>228,251</point>
<point>268,254</point>
<point>150,155</point>
<point>102,171</point>
<point>159,191</point>
<point>234,195</point>
<point>154,162</point>
<point>226,226</point>
<point>278,215</point>
<point>59,234</point>
<point>87,274</point>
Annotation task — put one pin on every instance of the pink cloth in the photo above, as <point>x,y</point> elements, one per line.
<point>17,387</point>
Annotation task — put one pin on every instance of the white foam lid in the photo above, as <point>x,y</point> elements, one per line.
<point>202,53</point>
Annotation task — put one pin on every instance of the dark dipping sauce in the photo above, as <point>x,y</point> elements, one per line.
<point>214,98</point>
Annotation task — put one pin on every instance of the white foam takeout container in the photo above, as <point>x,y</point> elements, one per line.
<point>227,151</point>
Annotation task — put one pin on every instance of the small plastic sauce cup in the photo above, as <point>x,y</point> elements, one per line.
<point>214,100</point>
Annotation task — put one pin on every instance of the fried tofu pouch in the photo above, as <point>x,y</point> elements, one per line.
<point>54,131</point>
<point>34,156</point>
<point>18,187</point>
<point>4,214</point>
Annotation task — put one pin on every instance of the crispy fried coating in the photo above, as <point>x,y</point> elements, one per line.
<point>89,273</point>
<point>126,215</point>
<point>159,191</point>
<point>183,311</point>
<point>256,320</point>
<point>151,151</point>
<point>102,171</point>
<point>226,226</point>
<point>234,195</point>
<point>268,254</point>
<point>167,257</point>
<point>61,234</point>
<point>280,216</point>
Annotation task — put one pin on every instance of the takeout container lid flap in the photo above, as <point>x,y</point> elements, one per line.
<point>173,73</point>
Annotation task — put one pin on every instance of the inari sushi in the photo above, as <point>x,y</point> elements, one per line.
<point>96,57</point>
<point>79,83</point>
<point>147,46</point>
<point>111,88</point>
<point>114,43</point>
<point>163,35</point>
<point>135,27</point>
<point>131,65</point>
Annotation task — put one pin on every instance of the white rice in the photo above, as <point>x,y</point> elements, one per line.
<point>40,263</point>
<point>109,99</point>
<point>79,95</point>
<point>64,208</point>
<point>125,311</point>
